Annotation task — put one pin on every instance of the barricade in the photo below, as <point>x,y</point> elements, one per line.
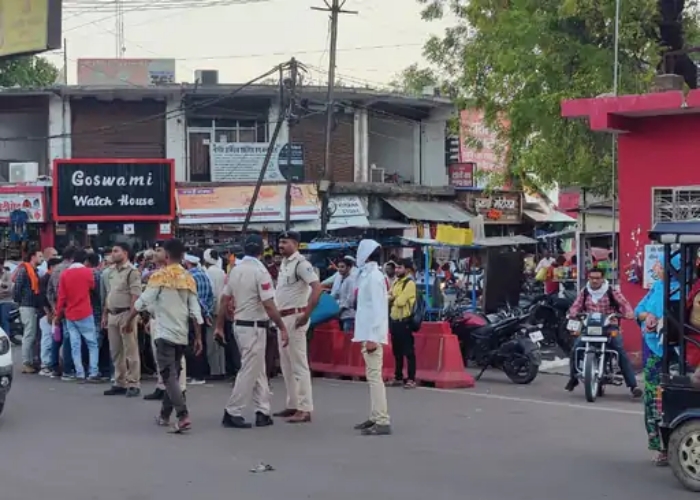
<point>439,361</point>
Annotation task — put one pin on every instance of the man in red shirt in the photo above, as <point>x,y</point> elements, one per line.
<point>74,305</point>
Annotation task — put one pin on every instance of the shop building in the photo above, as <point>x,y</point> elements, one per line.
<point>98,202</point>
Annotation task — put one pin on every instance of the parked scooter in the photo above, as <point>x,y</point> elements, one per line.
<point>509,344</point>
<point>5,368</point>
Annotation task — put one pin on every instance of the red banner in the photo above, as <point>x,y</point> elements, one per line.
<point>462,175</point>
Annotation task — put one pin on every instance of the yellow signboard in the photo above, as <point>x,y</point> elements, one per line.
<point>29,26</point>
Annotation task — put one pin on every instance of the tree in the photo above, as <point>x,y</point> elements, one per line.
<point>413,80</point>
<point>28,71</point>
<point>518,59</point>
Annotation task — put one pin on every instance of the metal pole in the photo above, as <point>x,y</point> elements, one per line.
<point>290,124</point>
<point>268,156</point>
<point>616,77</point>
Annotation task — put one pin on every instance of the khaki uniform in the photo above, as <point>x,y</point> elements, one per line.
<point>250,285</point>
<point>123,282</point>
<point>292,297</point>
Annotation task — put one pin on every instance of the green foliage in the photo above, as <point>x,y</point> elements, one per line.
<point>413,80</point>
<point>519,59</point>
<point>29,71</point>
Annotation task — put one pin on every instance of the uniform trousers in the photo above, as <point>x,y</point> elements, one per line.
<point>294,362</point>
<point>251,381</point>
<point>124,348</point>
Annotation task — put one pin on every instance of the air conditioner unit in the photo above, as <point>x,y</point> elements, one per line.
<point>23,172</point>
<point>206,77</point>
<point>376,175</point>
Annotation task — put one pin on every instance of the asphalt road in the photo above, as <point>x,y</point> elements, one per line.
<point>498,441</point>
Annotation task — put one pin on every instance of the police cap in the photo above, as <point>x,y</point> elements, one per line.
<point>253,244</point>
<point>290,235</point>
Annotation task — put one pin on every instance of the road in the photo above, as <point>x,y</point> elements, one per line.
<point>68,442</point>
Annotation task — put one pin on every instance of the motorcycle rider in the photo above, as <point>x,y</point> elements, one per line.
<point>599,296</point>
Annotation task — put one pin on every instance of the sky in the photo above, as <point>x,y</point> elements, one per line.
<point>243,41</point>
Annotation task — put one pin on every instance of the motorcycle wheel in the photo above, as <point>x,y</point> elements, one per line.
<point>591,377</point>
<point>520,371</point>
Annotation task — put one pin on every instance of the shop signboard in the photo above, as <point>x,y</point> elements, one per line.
<point>29,27</point>
<point>242,162</point>
<point>229,204</point>
<point>29,199</point>
<point>346,206</point>
<point>113,189</point>
<point>462,175</point>
<point>498,207</point>
<point>126,72</point>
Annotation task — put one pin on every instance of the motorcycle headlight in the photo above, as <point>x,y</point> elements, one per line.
<point>595,330</point>
<point>4,345</point>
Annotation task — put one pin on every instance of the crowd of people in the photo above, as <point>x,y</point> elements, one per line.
<point>85,317</point>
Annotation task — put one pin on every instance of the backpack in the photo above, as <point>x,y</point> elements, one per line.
<point>417,311</point>
<point>611,297</point>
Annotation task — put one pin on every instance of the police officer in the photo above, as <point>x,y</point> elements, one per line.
<point>298,292</point>
<point>250,289</point>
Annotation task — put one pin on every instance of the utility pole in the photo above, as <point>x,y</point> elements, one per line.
<point>291,121</point>
<point>335,8</point>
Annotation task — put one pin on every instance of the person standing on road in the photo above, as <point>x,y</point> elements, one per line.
<point>298,292</point>
<point>346,293</point>
<point>198,364</point>
<point>49,253</point>
<point>160,260</point>
<point>52,296</point>
<point>123,288</point>
<point>250,290</point>
<point>171,295</point>
<point>75,306</point>
<point>371,328</point>
<point>49,364</point>
<point>216,353</point>
<point>27,295</point>
<point>401,299</point>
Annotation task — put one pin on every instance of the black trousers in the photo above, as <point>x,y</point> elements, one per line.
<point>403,345</point>
<point>197,366</point>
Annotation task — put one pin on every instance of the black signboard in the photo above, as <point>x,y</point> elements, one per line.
<point>118,190</point>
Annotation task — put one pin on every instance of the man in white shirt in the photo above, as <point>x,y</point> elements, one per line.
<point>547,260</point>
<point>372,329</point>
<point>216,353</point>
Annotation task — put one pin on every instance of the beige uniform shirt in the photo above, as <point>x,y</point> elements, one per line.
<point>250,285</point>
<point>295,276</point>
<point>123,282</point>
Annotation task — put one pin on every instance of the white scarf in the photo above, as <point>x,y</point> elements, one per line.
<point>598,294</point>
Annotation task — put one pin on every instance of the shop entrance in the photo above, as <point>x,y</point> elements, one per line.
<point>109,233</point>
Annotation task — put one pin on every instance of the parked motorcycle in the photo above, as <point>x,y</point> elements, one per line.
<point>509,344</point>
<point>16,329</point>
<point>597,365</point>
<point>550,312</point>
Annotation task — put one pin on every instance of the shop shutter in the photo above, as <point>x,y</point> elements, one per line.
<point>118,129</point>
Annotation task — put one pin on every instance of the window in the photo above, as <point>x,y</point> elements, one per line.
<point>201,133</point>
<point>675,204</point>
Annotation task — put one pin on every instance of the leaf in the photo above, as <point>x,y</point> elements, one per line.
<point>27,71</point>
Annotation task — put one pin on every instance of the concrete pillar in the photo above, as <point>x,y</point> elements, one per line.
<point>361,145</point>
<point>432,142</point>
<point>272,119</point>
<point>176,138</point>
<point>59,143</point>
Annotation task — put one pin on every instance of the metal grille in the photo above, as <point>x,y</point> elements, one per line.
<point>676,204</point>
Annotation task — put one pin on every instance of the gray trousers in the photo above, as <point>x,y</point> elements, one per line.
<point>30,324</point>
<point>216,354</point>
<point>169,357</point>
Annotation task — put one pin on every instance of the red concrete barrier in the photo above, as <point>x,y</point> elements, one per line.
<point>326,347</point>
<point>435,328</point>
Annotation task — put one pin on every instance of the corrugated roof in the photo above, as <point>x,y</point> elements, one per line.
<point>431,211</point>
<point>505,241</point>
<point>387,224</point>
<point>553,217</point>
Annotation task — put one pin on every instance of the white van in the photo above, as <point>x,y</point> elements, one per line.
<point>5,368</point>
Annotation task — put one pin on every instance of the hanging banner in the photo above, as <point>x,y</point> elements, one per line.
<point>242,162</point>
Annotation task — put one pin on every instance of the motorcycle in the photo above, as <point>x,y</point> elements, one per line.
<point>550,312</point>
<point>507,343</point>
<point>5,368</point>
<point>16,328</point>
<point>597,365</point>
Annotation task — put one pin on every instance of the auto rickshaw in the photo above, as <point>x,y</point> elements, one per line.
<point>680,399</point>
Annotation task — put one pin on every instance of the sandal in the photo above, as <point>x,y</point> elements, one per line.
<point>661,459</point>
<point>411,384</point>
<point>162,422</point>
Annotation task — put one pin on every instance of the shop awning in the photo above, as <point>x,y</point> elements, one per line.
<point>505,241</point>
<point>551,217</point>
<point>388,224</point>
<point>430,211</point>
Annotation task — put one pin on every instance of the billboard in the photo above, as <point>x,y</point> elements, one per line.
<point>29,26</point>
<point>126,72</point>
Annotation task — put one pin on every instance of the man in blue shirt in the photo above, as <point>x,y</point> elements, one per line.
<point>198,366</point>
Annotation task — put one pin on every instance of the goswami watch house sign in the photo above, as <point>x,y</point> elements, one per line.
<point>496,207</point>
<point>94,190</point>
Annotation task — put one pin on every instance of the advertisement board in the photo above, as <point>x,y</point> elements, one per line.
<point>462,175</point>
<point>242,162</point>
<point>29,26</point>
<point>126,72</point>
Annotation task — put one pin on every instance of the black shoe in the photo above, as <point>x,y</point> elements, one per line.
<point>156,395</point>
<point>262,420</point>
<point>115,391</point>
<point>133,392</point>
<point>636,392</point>
<point>234,422</point>
<point>364,425</point>
<point>571,384</point>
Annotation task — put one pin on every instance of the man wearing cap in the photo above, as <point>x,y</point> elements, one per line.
<point>250,289</point>
<point>295,303</point>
